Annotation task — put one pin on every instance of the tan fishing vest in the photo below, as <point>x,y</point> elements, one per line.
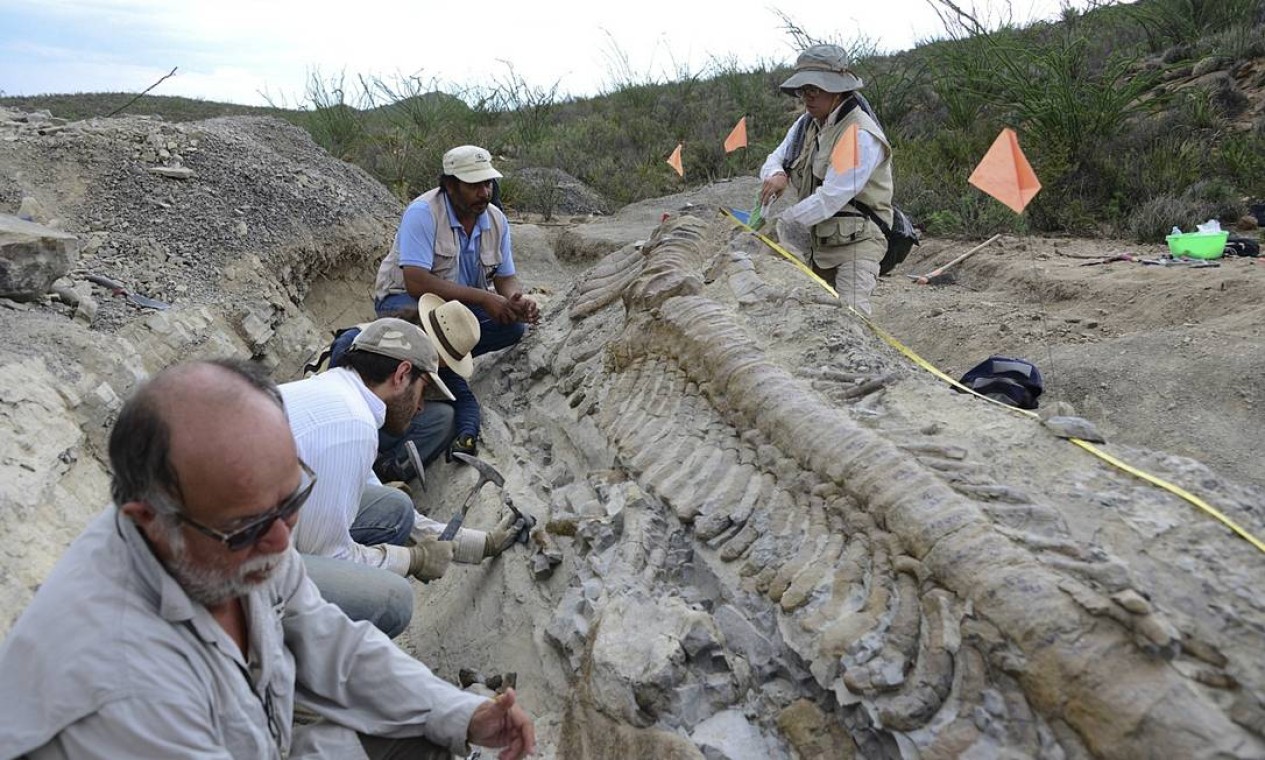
<point>447,248</point>
<point>808,171</point>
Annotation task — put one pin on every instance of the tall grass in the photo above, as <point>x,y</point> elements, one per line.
<point>1175,22</point>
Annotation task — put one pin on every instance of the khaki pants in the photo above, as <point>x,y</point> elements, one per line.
<point>323,739</point>
<point>854,268</point>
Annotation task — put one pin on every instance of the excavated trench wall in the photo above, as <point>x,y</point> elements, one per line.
<point>254,217</point>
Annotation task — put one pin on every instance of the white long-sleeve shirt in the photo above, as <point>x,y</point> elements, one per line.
<point>335,419</point>
<point>836,189</point>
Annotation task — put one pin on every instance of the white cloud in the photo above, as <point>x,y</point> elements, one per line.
<point>234,49</point>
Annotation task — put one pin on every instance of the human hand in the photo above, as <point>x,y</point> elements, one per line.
<point>526,308</point>
<point>772,188</point>
<point>502,536</point>
<point>463,444</point>
<point>500,309</point>
<point>500,722</point>
<point>399,485</point>
<point>430,558</point>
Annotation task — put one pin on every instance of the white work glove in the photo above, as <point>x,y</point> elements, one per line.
<point>430,558</point>
<point>502,536</point>
<point>474,546</point>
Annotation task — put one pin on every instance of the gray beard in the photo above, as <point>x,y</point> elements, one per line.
<point>212,586</point>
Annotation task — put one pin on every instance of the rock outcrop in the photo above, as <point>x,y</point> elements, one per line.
<point>32,257</point>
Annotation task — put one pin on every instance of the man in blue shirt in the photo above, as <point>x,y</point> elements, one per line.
<point>453,243</point>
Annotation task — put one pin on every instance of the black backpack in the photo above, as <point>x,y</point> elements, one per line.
<point>901,235</point>
<point>1016,382</point>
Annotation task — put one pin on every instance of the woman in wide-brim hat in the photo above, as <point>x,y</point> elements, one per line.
<point>846,244</point>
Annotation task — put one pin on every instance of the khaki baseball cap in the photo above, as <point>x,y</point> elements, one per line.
<point>823,66</point>
<point>404,341</point>
<point>470,163</point>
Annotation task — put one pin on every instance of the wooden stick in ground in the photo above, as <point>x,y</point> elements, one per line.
<point>142,94</point>
<point>923,279</point>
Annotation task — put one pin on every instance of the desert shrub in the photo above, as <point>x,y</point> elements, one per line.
<point>1241,160</point>
<point>334,122</point>
<point>1176,22</point>
<point>1240,42</point>
<point>528,108</point>
<point>1204,200</point>
<point>1228,100</point>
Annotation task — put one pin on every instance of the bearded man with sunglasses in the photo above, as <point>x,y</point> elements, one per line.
<point>355,533</point>
<point>181,623</point>
<point>846,244</point>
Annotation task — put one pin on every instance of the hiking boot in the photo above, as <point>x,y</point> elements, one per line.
<point>391,468</point>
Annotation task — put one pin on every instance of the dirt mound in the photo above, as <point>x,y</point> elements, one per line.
<point>1158,356</point>
<point>169,209</point>
<point>552,192</point>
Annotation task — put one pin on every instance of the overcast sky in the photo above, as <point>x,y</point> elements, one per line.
<point>244,50</point>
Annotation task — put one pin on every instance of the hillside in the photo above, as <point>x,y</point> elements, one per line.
<point>1137,117</point>
<point>966,583</point>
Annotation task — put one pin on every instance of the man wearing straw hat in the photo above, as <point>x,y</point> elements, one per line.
<point>846,245</point>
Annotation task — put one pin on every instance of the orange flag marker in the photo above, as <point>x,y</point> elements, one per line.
<point>1005,174</point>
<point>737,137</point>
<point>674,160</point>
<point>847,152</point>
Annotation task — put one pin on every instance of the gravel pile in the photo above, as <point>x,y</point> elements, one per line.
<point>166,208</point>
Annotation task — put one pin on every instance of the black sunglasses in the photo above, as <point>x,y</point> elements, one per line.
<point>250,533</point>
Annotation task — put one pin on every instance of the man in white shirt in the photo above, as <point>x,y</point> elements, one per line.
<point>354,532</point>
<point>181,623</point>
<point>846,244</point>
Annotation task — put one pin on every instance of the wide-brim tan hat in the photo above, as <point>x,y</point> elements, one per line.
<point>824,67</point>
<point>453,329</point>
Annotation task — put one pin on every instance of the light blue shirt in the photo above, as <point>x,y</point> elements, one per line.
<point>416,238</point>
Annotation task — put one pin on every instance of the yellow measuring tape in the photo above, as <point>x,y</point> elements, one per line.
<point>921,362</point>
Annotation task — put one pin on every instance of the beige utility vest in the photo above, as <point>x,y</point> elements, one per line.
<point>447,249</point>
<point>808,171</point>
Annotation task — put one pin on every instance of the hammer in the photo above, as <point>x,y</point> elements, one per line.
<point>487,473</point>
<point>416,460</point>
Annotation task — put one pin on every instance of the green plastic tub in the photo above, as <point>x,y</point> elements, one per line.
<point>1198,245</point>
